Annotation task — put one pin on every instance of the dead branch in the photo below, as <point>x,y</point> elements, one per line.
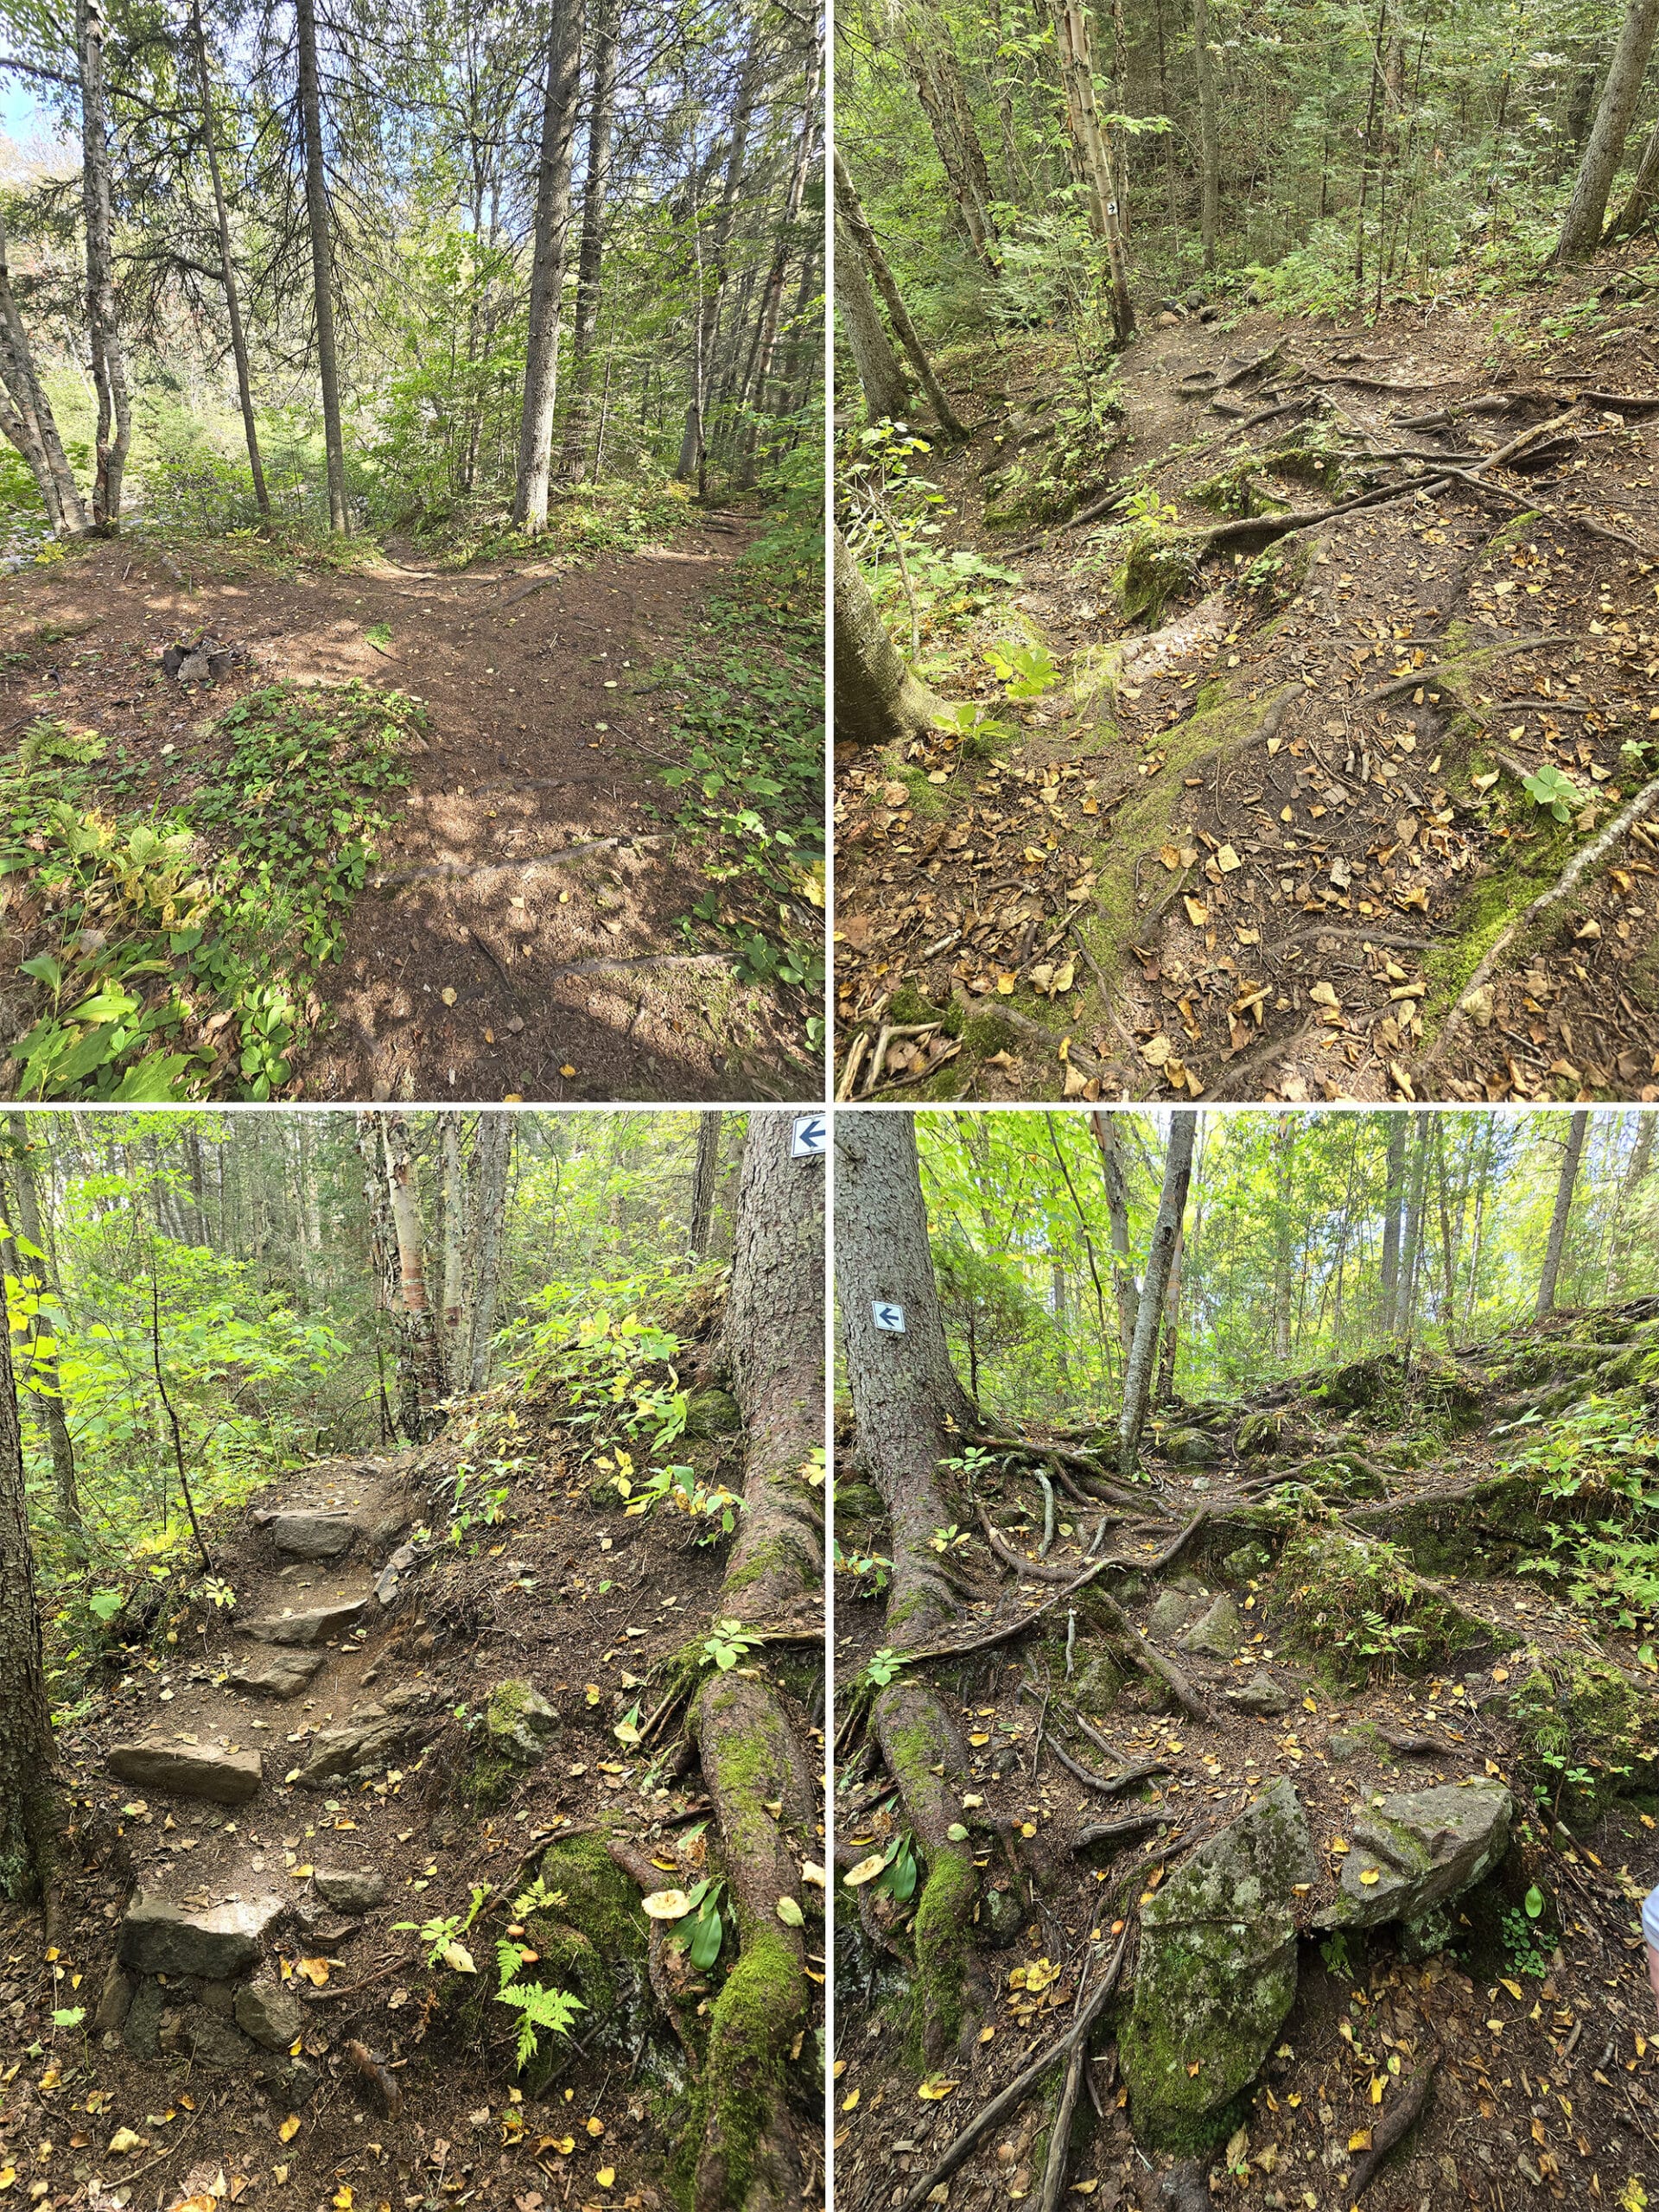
<point>1392,2127</point>
<point>1151,1660</point>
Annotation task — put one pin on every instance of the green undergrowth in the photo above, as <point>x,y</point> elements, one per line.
<point>181,920</point>
<point>748,767</point>
<point>583,521</point>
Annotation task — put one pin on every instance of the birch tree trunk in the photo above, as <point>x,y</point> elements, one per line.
<point>1204,63</point>
<point>26,417</point>
<point>322,264</point>
<point>232,304</point>
<point>114,431</point>
<point>491,1164</point>
<point>552,238</point>
<point>1283,1145</point>
<point>1581,225</point>
<point>590,254</point>
<point>26,1750</point>
<point>1106,1127</point>
<point>878,699</point>
<point>1074,46</point>
<point>1558,1218</point>
<point>851,211</point>
<point>45,1384</point>
<point>1161,1256</point>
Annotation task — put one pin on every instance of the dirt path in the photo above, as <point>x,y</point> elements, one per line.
<point>1245,854</point>
<point>521,937</point>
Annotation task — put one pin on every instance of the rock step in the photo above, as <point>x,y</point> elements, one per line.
<point>213,1942</point>
<point>316,1626</point>
<point>218,1772</point>
<point>310,1533</point>
<point>284,1675</point>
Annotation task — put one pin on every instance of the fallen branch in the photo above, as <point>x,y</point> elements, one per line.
<point>1039,1570</point>
<point>1437,671</point>
<point>1151,1660</point>
<point>1109,1786</point>
<point>1060,2139</point>
<point>1394,2124</point>
<point>1117,1831</point>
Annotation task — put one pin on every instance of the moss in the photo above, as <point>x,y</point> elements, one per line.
<point>942,1933</point>
<point>711,1413</point>
<point>1156,565</point>
<point>751,2031</point>
<point>1357,1603</point>
<point>908,1004</point>
<point>1306,462</point>
<point>1585,1728</point>
<point>1238,490</point>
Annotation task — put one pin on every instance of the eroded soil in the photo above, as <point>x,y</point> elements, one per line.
<point>1546,2069</point>
<point>1215,863</point>
<point>522,934</point>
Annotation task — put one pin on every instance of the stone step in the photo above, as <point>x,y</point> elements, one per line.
<point>217,1772</point>
<point>213,1942</point>
<point>316,1626</point>
<point>309,1532</point>
<point>284,1675</point>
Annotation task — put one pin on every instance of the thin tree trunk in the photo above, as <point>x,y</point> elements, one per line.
<point>1624,1236</point>
<point>878,699</point>
<point>1412,1240</point>
<point>1074,45</point>
<point>45,1382</point>
<point>1558,1219</point>
<point>551,236</point>
<point>851,211</point>
<point>1209,131</point>
<point>1643,202</point>
<point>1283,1145</point>
<point>1105,1126</point>
<point>419,1356</point>
<point>1394,1190</point>
<point>703,1174</point>
<point>590,255</point>
<point>322,264</point>
<point>879,372</point>
<point>26,416</point>
<point>114,431</point>
<point>232,304</point>
<point>457,1347</point>
<point>26,1750</point>
<point>1166,1232</point>
<point>492,1162</point>
<point>754,383</point>
<point>1581,225</point>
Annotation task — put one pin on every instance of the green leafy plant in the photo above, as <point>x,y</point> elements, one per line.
<point>538,2008</point>
<point>883,1667</point>
<point>727,1645</point>
<point>1025,671</point>
<point>702,1931</point>
<point>1548,787</point>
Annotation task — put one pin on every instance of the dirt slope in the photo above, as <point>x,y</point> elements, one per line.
<point>532,875</point>
<point>1449,1667</point>
<point>1265,848</point>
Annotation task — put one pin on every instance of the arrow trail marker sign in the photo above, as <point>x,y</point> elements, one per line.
<point>888,1318</point>
<point>811,1137</point>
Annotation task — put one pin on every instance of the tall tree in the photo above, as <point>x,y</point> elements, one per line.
<point>323,262</point>
<point>550,238</point>
<point>595,190</point>
<point>35,1271</point>
<point>1074,42</point>
<point>705,1170</point>
<point>1571,1154</point>
<point>878,699</point>
<point>851,211</point>
<point>114,429</point>
<point>1411,1242</point>
<point>491,1168</point>
<point>26,416</point>
<point>26,1749</point>
<point>1161,1256</point>
<point>1204,63</point>
<point>860,323</point>
<point>1581,225</point>
<point>1393,1198</point>
<point>232,299</point>
<point>1108,1129</point>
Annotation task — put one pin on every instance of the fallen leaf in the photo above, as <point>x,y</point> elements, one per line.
<point>666,1904</point>
<point>123,2140</point>
<point>931,2093</point>
<point>866,1870</point>
<point>290,2128</point>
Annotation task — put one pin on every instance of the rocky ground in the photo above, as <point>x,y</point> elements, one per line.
<point>303,1828</point>
<point>1263,826</point>
<point>1360,1813</point>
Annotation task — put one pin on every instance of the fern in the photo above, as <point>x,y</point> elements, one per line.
<point>536,2007</point>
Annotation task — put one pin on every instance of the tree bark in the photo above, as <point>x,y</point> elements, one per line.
<point>1639,209</point>
<point>590,254</point>
<point>551,238</point>
<point>883,379</point>
<point>1582,226</point>
<point>703,1173</point>
<point>1412,1239</point>
<point>232,304</point>
<point>1558,1219</point>
<point>766,340</point>
<point>910,1409</point>
<point>1209,131</point>
<point>1625,1233</point>
<point>491,1164</point>
<point>322,264</point>
<point>114,431</point>
<point>1284,1143</point>
<point>45,1382</point>
<point>1073,44</point>
<point>383,1143</point>
<point>851,211</point>
<point>878,699</point>
<point>1106,1126</point>
<point>1394,1190</point>
<point>26,416</point>
<point>456,1341</point>
<point>26,1750</point>
<point>1165,1231</point>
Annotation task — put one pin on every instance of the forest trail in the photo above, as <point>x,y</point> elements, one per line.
<point>520,935</point>
<point>1319,1588</point>
<point>1270,845</point>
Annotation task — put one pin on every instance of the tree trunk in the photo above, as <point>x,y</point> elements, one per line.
<point>878,699</point>
<point>1558,1219</point>
<point>491,1164</point>
<point>1165,1231</point>
<point>1284,1144</point>
<point>1073,44</point>
<point>851,211</point>
<point>1581,227</point>
<point>419,1357</point>
<point>703,1174</point>
<point>1394,1190</point>
<point>590,256</point>
<point>322,264</point>
<point>551,238</point>
<point>1625,1233</point>
<point>1412,1240</point>
<point>232,304</point>
<point>114,432</point>
<point>1640,208</point>
<point>911,1410</point>
<point>1105,1125</point>
<point>456,1345</point>
<point>886,395</point>
<point>1209,131</point>
<point>26,417</point>
<point>766,342</point>
<point>45,1384</point>
<point>25,1751</point>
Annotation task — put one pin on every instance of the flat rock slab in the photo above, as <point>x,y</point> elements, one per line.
<point>210,1771</point>
<point>359,1747</point>
<point>311,1533</point>
<point>284,1673</point>
<point>350,1890</point>
<point>1414,1851</point>
<point>213,1942</point>
<point>314,1627</point>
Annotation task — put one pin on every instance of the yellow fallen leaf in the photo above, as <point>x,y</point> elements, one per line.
<point>866,1870</point>
<point>1360,2140</point>
<point>314,1970</point>
<point>447,994</point>
<point>1370,1876</point>
<point>1227,860</point>
<point>342,2197</point>
<point>596,2127</point>
<point>850,2102</point>
<point>931,2093</point>
<point>123,2140</point>
<point>605,2175</point>
<point>667,1904</point>
<point>8,2175</point>
<point>290,2128</point>
<point>1514,1987</point>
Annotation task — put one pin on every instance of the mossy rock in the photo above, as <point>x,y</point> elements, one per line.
<point>1249,1563</point>
<point>1305,463</point>
<point>1156,565</point>
<point>592,1942</point>
<point>1258,1432</point>
<point>712,1413</point>
<point>1587,1732</point>
<point>1357,1603</point>
<point>1359,1384</point>
<point>1097,1684</point>
<point>1192,1447</point>
<point>1454,1400</point>
<point>1484,1531</point>
<point>1238,490</point>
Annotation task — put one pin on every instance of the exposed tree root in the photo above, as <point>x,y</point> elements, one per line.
<point>917,1735</point>
<point>1151,1660</point>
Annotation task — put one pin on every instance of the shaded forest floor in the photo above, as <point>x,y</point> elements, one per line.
<point>444,1742</point>
<point>1263,835</point>
<point>538,919</point>
<point>1346,1602</point>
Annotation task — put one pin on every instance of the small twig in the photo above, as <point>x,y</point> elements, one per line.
<point>178,1438</point>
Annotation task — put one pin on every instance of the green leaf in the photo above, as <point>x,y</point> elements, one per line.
<point>706,1939</point>
<point>1533,1902</point>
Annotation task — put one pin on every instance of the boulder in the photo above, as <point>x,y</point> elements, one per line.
<point>269,2012</point>
<point>195,2032</point>
<point>1248,1564</point>
<point>312,1534</point>
<point>518,1720</point>
<point>351,1889</point>
<point>1415,1852</point>
<point>392,1574</point>
<point>1216,1974</point>
<point>357,1748</point>
<point>215,1940</point>
<point>1171,1612</point>
<point>1257,1432</point>
<point>211,1770</point>
<point>314,1627</point>
<point>285,1674</point>
<point>1097,1684</point>
<point>1192,1447</point>
<point>1218,1634</point>
<point>141,2029</point>
<point>1260,1692</point>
